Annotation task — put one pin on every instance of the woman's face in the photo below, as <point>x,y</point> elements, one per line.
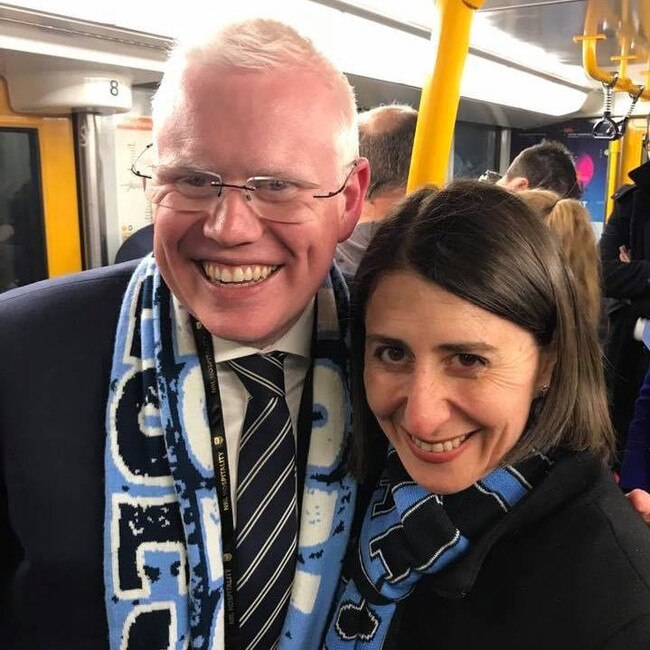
<point>450,384</point>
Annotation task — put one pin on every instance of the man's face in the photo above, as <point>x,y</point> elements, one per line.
<point>245,278</point>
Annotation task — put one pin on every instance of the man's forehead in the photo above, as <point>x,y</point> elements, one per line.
<point>203,131</point>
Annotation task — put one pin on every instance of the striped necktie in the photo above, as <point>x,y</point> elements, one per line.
<point>266,502</point>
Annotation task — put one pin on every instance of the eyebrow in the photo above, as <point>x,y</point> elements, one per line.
<point>466,347</point>
<point>379,338</point>
<point>265,172</point>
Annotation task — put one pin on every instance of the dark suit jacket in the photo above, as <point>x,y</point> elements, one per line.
<point>139,244</point>
<point>56,344</point>
<point>56,351</point>
<point>567,569</point>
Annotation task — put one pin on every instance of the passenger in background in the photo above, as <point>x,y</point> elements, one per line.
<point>386,136</point>
<point>635,468</point>
<point>496,522</point>
<point>548,165</point>
<point>570,222</point>
<point>625,260</point>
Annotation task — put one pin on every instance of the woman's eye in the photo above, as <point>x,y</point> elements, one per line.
<point>470,360</point>
<point>389,354</point>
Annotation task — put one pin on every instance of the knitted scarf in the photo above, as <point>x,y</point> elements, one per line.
<point>163,568</point>
<point>409,532</point>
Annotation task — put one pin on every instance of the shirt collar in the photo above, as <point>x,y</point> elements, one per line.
<point>296,341</point>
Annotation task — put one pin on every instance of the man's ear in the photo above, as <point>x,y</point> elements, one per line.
<point>517,184</point>
<point>354,195</point>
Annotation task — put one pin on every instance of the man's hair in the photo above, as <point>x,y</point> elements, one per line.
<point>570,222</point>
<point>548,165</point>
<point>258,45</point>
<point>386,136</point>
<point>485,245</point>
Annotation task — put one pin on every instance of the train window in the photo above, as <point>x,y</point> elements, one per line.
<point>475,149</point>
<point>22,244</point>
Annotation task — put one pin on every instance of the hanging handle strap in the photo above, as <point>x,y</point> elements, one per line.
<point>606,128</point>
<point>622,125</point>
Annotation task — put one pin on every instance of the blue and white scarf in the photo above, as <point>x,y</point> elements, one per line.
<point>163,569</point>
<point>409,532</point>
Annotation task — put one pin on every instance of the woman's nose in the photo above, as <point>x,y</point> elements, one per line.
<point>428,405</point>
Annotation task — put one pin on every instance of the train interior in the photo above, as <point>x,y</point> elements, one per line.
<point>76,83</point>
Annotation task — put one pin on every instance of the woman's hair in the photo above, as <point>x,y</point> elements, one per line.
<point>258,45</point>
<point>570,222</point>
<point>485,245</point>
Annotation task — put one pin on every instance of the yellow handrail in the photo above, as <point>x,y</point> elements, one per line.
<point>441,93</point>
<point>619,156</point>
<point>589,39</point>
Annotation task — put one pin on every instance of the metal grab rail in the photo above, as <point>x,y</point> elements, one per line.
<point>589,39</point>
<point>591,67</point>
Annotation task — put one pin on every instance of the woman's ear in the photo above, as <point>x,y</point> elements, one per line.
<point>547,360</point>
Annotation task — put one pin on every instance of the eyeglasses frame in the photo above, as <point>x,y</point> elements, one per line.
<point>329,195</point>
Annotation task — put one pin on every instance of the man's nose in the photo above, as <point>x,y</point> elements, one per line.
<point>428,405</point>
<point>232,220</point>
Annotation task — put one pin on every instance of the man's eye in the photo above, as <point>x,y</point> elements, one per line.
<point>273,185</point>
<point>195,180</point>
<point>277,185</point>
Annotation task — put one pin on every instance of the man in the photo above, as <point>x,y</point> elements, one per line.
<point>386,136</point>
<point>128,512</point>
<point>547,165</point>
<point>625,258</point>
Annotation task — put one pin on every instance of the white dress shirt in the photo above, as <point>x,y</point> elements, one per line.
<point>297,343</point>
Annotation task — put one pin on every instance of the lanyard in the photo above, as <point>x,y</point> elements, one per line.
<point>205,352</point>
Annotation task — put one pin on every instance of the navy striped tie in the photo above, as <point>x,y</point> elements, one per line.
<point>266,502</point>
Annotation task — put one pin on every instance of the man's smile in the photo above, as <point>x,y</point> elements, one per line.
<point>237,274</point>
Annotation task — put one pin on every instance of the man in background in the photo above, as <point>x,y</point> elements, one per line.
<point>548,165</point>
<point>625,258</point>
<point>386,139</point>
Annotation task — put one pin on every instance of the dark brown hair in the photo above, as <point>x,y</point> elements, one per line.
<point>485,245</point>
<point>547,165</point>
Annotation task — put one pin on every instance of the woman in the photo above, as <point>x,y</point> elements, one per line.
<point>570,222</point>
<point>495,521</point>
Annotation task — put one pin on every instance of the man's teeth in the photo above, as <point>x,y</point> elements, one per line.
<point>237,274</point>
<point>447,445</point>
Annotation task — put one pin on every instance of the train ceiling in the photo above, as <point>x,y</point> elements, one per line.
<point>529,35</point>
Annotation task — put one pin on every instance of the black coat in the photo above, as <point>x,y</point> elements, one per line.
<point>628,225</point>
<point>56,348</point>
<point>627,286</point>
<point>567,569</point>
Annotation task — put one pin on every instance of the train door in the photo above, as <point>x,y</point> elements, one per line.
<point>39,225</point>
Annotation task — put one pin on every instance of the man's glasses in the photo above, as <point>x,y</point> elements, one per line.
<point>193,190</point>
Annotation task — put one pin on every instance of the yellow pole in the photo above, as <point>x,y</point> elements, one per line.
<point>612,174</point>
<point>441,92</point>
